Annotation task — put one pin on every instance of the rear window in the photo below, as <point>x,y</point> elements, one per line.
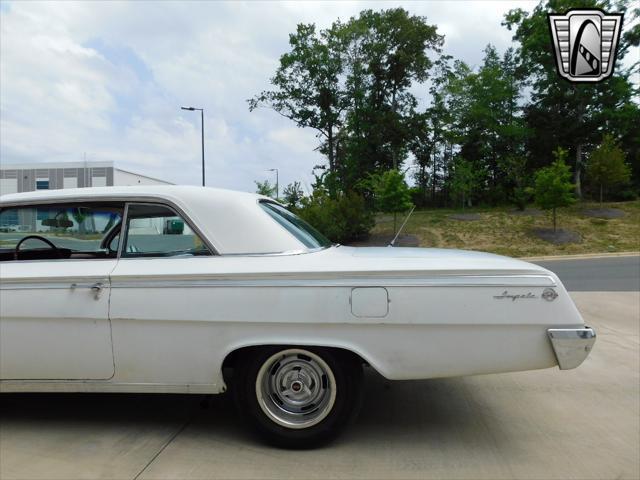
<point>309,236</point>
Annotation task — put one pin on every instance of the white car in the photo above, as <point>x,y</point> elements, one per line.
<point>191,290</point>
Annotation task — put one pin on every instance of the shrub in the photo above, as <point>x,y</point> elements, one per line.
<point>341,219</point>
<point>623,195</point>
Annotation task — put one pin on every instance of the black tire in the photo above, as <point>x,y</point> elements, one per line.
<point>250,400</point>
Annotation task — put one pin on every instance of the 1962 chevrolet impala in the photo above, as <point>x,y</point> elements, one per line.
<point>188,289</point>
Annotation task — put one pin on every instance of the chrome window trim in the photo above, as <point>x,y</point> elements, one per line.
<point>123,226</point>
<point>125,237</point>
<point>286,252</point>
<point>301,251</point>
<point>125,199</point>
<point>64,202</point>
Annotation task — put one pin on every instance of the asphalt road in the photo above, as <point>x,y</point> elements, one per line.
<point>607,274</point>
<point>545,424</point>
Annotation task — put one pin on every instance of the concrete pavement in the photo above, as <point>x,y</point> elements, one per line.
<point>583,423</point>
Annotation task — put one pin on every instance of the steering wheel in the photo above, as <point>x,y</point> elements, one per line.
<point>36,237</point>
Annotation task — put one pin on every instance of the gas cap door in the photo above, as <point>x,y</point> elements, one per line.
<point>369,302</point>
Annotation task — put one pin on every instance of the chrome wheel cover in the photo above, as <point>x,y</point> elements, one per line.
<point>296,388</point>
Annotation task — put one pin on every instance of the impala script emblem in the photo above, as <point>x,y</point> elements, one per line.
<point>585,43</point>
<point>515,296</point>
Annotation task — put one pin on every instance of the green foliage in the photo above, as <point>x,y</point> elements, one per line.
<point>351,83</point>
<point>292,195</point>
<point>465,179</point>
<point>606,166</point>
<point>354,84</point>
<point>341,219</point>
<point>265,188</point>
<point>390,191</point>
<point>553,187</point>
<point>515,167</point>
<point>563,113</point>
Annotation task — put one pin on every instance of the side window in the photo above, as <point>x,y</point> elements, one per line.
<point>46,232</point>
<point>157,231</point>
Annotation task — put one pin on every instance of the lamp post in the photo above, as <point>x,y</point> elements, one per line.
<point>201,110</point>
<point>277,182</point>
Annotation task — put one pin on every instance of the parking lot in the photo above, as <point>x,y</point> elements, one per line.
<point>582,423</point>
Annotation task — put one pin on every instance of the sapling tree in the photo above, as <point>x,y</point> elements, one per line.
<point>553,188</point>
<point>391,193</point>
<point>606,166</point>
<point>464,180</point>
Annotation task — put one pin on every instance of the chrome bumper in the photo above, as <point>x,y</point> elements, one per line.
<point>571,345</point>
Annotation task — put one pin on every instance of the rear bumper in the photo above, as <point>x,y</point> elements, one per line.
<point>571,345</point>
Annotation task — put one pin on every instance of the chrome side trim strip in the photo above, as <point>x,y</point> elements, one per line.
<point>55,284</point>
<point>9,386</point>
<point>525,281</point>
<point>332,281</point>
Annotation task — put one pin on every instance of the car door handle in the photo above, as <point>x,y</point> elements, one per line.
<point>96,288</point>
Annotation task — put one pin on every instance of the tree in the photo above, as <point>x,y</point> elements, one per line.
<point>516,168</point>
<point>389,54</point>
<point>265,188</point>
<point>464,179</point>
<point>563,113</point>
<point>606,166</point>
<point>553,187</point>
<point>352,84</point>
<point>391,193</point>
<point>307,85</point>
<point>292,195</point>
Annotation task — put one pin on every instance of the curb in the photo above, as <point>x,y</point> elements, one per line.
<point>581,256</point>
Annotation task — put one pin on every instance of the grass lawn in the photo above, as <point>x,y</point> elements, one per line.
<point>500,230</point>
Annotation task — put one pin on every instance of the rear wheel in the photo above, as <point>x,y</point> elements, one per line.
<point>298,397</point>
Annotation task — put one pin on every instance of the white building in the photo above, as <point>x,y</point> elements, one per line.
<point>26,177</point>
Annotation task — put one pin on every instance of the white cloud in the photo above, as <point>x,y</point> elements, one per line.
<point>108,79</point>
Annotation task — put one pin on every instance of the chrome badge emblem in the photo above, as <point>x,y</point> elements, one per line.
<point>585,43</point>
<point>549,294</point>
<point>515,296</point>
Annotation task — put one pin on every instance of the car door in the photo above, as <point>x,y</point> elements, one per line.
<point>155,343</point>
<point>54,293</point>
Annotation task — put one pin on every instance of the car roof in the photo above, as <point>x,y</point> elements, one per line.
<point>231,221</point>
<point>162,191</point>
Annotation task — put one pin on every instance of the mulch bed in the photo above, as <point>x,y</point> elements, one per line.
<point>604,213</point>
<point>404,240</point>
<point>559,237</point>
<point>465,217</point>
<point>532,212</point>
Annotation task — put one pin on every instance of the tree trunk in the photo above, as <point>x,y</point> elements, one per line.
<point>332,161</point>
<point>600,195</point>
<point>433,176</point>
<point>554,221</point>
<point>578,171</point>
<point>394,223</point>
<point>394,153</point>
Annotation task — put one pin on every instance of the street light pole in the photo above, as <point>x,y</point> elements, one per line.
<point>277,182</point>
<point>201,110</point>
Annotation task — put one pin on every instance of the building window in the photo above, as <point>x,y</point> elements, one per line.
<point>42,184</point>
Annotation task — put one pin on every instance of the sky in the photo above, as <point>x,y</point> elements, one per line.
<point>107,80</point>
